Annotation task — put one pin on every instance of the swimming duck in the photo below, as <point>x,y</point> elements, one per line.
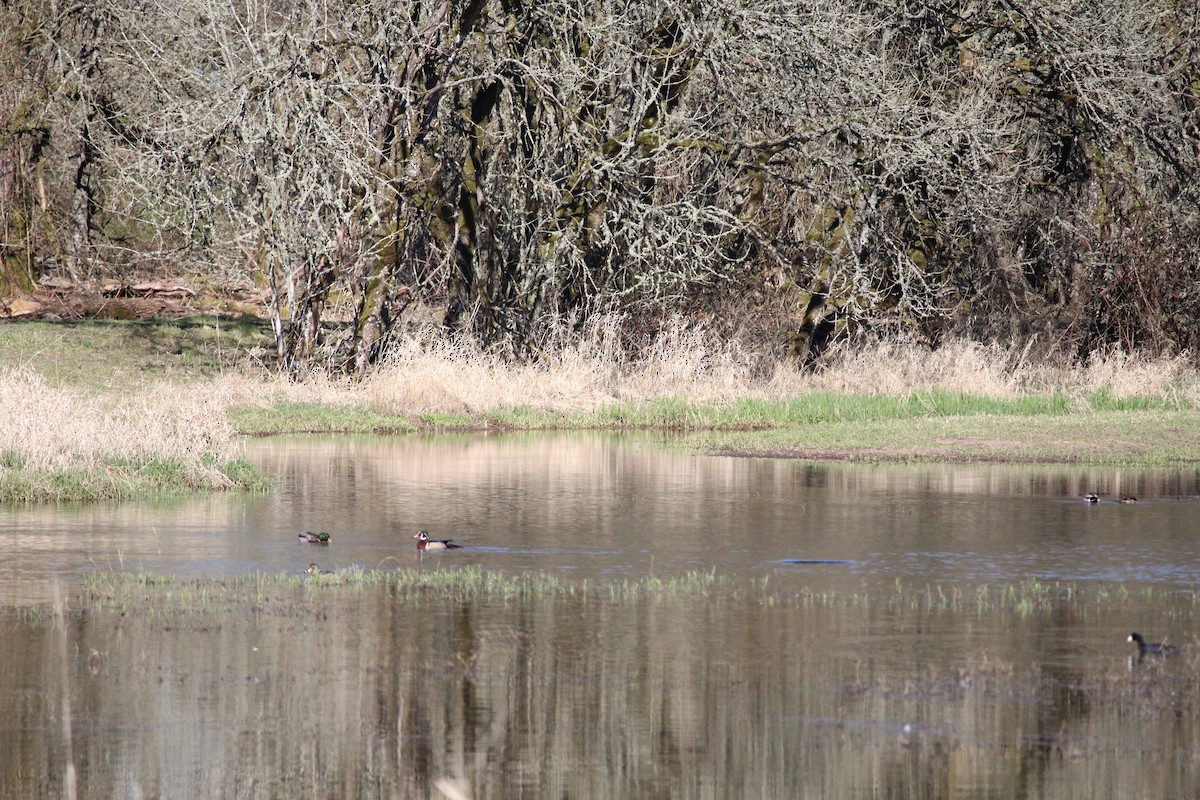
<point>1128,499</point>
<point>425,543</point>
<point>1152,648</point>
<point>316,538</point>
<point>1091,498</point>
<point>313,569</point>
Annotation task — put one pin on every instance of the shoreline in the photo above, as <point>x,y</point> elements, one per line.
<point>118,412</point>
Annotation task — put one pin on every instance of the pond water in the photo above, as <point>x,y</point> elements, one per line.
<point>830,682</point>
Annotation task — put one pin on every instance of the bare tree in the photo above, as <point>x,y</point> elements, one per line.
<point>24,137</point>
<point>49,119</point>
<point>848,165</point>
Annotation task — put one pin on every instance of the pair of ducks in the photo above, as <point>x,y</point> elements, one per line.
<point>422,536</point>
<point>1125,499</point>
<point>316,538</point>
<point>423,543</point>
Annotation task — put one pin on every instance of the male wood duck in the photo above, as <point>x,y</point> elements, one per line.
<point>316,538</point>
<point>425,543</point>
<point>1152,648</point>
<point>313,569</point>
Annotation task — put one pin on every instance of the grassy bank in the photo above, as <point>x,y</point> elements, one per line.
<point>61,446</point>
<point>124,357</point>
<point>1137,438</point>
<point>111,410</point>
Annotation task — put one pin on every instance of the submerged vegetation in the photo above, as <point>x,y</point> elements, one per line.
<point>540,684</point>
<point>126,591</point>
<point>145,593</point>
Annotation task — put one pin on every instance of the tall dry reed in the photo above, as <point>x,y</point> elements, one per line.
<point>52,428</point>
<point>993,370</point>
<point>585,371</point>
<point>582,372</point>
<point>591,370</point>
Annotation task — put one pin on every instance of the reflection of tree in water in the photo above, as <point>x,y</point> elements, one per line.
<point>1061,705</point>
<point>373,691</point>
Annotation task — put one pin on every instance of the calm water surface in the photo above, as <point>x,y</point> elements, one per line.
<point>342,692</point>
<point>598,505</point>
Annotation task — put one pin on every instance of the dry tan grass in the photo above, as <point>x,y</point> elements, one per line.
<point>463,379</point>
<point>53,428</point>
<point>114,437</point>
<point>580,374</point>
<point>1127,375</point>
<point>895,368</point>
<point>589,371</point>
<point>64,428</point>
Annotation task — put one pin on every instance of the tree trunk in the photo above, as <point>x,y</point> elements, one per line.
<point>86,69</point>
<point>18,211</point>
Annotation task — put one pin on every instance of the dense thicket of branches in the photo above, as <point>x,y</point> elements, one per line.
<point>819,166</point>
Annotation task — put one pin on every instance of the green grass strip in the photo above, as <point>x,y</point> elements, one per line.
<point>159,594</point>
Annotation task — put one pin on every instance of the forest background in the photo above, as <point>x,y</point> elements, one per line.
<point>781,174</point>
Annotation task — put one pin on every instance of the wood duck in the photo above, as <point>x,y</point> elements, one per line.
<point>1152,648</point>
<point>313,569</point>
<point>316,538</point>
<point>425,543</point>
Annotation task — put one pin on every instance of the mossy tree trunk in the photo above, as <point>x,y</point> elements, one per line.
<point>21,147</point>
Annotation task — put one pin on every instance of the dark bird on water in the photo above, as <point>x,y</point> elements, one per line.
<point>1152,648</point>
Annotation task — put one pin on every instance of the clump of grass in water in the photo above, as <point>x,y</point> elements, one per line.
<point>1024,598</point>
<point>124,591</point>
<point>690,584</point>
<point>155,594</point>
